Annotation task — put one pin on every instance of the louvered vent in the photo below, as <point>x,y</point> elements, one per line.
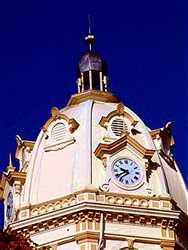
<point>118,126</point>
<point>59,132</point>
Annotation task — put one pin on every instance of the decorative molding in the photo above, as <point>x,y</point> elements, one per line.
<point>150,166</point>
<point>105,186</point>
<point>86,237</point>
<point>23,144</point>
<point>134,201</point>
<point>16,176</point>
<point>84,209</point>
<point>57,115</point>
<point>92,95</point>
<point>168,244</point>
<point>118,112</point>
<point>155,134</point>
<point>168,159</point>
<point>12,177</point>
<point>103,149</point>
<point>86,216</point>
<point>58,146</point>
<point>165,135</point>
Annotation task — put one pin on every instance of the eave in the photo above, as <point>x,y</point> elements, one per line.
<point>92,95</point>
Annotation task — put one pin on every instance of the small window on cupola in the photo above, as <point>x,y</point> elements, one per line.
<point>59,132</point>
<point>118,126</point>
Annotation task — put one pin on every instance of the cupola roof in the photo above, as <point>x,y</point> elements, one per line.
<point>92,69</point>
<point>91,61</point>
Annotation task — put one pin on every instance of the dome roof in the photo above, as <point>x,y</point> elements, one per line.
<point>91,61</point>
<point>69,154</point>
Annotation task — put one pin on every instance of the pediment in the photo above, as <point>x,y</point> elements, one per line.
<point>118,112</point>
<point>57,115</point>
<point>104,149</point>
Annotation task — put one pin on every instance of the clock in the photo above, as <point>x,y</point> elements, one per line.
<point>9,206</point>
<point>127,173</point>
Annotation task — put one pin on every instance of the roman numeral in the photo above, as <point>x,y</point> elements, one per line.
<point>121,178</point>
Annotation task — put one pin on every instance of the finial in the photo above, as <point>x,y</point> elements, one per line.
<point>90,38</point>
<point>10,166</point>
<point>10,159</point>
<point>89,23</point>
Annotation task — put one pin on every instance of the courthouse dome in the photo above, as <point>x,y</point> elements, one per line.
<point>70,150</point>
<point>84,144</point>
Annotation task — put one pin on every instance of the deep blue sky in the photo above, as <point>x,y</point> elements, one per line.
<point>143,42</point>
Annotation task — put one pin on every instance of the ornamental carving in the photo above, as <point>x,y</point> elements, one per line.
<point>56,114</point>
<point>106,149</point>
<point>118,112</point>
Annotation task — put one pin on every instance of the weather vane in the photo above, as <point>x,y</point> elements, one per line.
<point>89,23</point>
<point>90,38</point>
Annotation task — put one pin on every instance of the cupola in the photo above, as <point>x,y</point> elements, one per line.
<point>92,69</point>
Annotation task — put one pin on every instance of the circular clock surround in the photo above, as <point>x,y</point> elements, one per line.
<point>9,209</point>
<point>127,173</point>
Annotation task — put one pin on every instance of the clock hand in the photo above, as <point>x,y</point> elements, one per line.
<point>123,174</point>
<point>127,172</point>
<point>124,170</point>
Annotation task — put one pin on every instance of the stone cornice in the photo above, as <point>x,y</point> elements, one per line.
<point>97,208</point>
<point>92,95</point>
<point>88,205</point>
<point>16,176</point>
<point>91,212</point>
<point>105,149</point>
<point>105,197</point>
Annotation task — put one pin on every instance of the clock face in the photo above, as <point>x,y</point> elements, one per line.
<point>9,205</point>
<point>127,172</point>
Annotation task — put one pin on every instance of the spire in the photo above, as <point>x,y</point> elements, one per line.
<point>10,166</point>
<point>10,159</point>
<point>92,69</point>
<point>90,38</point>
